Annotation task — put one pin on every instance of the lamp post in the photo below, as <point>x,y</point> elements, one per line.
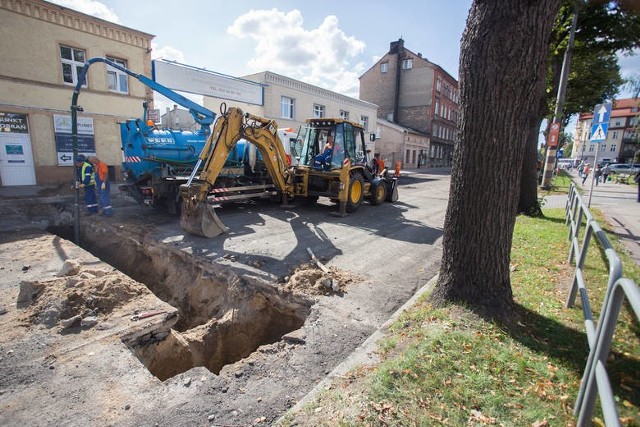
<point>550,160</point>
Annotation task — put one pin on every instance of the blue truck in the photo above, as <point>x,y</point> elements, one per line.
<point>157,161</point>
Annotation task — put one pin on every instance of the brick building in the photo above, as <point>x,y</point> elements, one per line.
<point>415,93</point>
<point>622,144</point>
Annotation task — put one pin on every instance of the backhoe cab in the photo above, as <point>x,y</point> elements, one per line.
<point>339,171</point>
<point>342,171</point>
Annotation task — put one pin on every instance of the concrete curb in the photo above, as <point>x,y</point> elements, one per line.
<point>365,355</point>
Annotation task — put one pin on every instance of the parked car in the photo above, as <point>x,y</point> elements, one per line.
<point>623,168</point>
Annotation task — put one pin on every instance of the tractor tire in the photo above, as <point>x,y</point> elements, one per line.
<point>378,193</point>
<point>356,192</point>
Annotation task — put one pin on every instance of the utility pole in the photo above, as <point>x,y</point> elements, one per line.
<point>550,160</point>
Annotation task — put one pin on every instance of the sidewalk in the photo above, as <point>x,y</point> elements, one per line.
<point>618,202</point>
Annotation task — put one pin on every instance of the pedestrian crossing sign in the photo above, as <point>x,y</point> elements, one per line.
<point>599,132</point>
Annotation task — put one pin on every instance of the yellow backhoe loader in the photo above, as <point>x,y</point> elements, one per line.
<point>333,163</point>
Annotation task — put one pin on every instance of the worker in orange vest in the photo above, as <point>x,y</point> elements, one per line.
<point>102,183</point>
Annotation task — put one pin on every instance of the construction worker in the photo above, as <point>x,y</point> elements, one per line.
<point>102,183</point>
<point>86,180</point>
<point>323,160</point>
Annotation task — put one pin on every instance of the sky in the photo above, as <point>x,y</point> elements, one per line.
<point>327,43</point>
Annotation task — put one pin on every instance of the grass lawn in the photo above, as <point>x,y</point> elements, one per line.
<point>449,367</point>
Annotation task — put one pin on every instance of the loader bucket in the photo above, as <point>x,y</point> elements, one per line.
<point>200,219</point>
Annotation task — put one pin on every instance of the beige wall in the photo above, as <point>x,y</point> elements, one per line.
<point>397,143</point>
<point>305,96</point>
<point>31,79</point>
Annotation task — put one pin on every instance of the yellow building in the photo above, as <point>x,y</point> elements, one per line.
<point>43,48</point>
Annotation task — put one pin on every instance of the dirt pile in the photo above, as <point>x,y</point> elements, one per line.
<point>310,280</point>
<point>77,291</point>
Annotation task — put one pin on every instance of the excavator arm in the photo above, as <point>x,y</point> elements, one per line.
<point>197,216</point>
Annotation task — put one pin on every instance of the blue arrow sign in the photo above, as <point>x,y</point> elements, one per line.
<point>601,114</point>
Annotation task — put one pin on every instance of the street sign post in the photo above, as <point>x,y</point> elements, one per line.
<point>599,128</point>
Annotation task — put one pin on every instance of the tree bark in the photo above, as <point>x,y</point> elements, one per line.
<point>502,71</point>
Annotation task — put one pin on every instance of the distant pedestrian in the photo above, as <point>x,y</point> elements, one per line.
<point>605,173</point>
<point>581,169</point>
<point>636,178</point>
<point>598,173</point>
<point>86,180</point>
<point>585,172</point>
<point>102,182</point>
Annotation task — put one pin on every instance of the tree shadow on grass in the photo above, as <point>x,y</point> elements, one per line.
<point>556,340</point>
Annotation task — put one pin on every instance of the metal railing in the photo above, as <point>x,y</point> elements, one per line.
<point>600,335</point>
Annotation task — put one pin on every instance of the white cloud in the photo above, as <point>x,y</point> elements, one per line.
<point>167,52</point>
<point>90,7</point>
<point>321,56</point>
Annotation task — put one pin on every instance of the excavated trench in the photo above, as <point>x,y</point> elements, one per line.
<point>223,316</point>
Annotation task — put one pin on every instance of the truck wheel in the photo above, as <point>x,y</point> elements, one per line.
<point>378,193</point>
<point>356,193</point>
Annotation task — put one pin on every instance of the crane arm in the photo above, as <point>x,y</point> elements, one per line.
<point>201,115</point>
<point>200,219</point>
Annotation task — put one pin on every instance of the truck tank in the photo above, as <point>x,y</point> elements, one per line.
<point>157,161</point>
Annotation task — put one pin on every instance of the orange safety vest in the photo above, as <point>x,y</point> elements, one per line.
<point>102,171</point>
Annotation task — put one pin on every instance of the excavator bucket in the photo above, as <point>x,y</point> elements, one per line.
<point>200,219</point>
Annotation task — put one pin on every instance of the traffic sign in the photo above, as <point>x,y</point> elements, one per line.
<point>600,122</point>
<point>554,135</point>
<point>601,113</point>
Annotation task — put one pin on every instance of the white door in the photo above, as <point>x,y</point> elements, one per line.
<point>16,159</point>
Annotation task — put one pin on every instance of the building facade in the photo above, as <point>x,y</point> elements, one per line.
<point>398,143</point>
<point>622,143</point>
<point>415,93</point>
<point>290,102</point>
<point>44,47</point>
<point>178,119</point>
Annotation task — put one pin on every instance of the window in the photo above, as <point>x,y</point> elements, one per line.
<point>344,115</point>
<point>116,79</point>
<point>633,121</point>
<point>384,67</point>
<point>603,147</point>
<point>438,85</point>
<point>318,111</point>
<point>72,61</point>
<point>613,147</point>
<point>407,64</point>
<point>286,107</point>
<point>615,134</point>
<point>364,121</point>
<point>592,148</point>
<point>437,109</point>
<point>618,122</point>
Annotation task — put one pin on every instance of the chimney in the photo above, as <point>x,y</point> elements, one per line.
<point>396,47</point>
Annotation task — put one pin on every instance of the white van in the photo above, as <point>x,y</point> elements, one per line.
<point>567,163</point>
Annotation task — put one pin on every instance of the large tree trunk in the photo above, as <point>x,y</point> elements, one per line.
<point>528,200</point>
<point>502,70</point>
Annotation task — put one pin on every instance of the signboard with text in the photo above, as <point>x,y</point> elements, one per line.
<point>203,82</point>
<point>64,140</point>
<point>14,123</point>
